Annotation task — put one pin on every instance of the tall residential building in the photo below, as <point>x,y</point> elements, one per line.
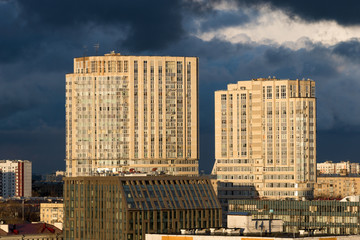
<point>15,178</point>
<point>265,139</point>
<point>133,113</point>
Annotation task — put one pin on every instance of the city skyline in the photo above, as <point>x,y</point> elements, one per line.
<point>233,40</point>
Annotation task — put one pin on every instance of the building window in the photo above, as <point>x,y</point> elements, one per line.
<point>283,91</point>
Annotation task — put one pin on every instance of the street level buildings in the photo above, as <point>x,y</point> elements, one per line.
<point>132,113</point>
<point>128,207</point>
<point>227,236</point>
<point>15,178</point>
<point>265,139</point>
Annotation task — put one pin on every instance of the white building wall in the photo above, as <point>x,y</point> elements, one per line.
<point>10,176</point>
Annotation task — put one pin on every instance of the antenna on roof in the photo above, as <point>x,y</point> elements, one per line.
<point>96,47</point>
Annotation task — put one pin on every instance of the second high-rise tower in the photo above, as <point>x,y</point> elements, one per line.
<point>265,138</point>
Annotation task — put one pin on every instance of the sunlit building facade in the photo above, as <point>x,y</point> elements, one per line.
<point>336,186</point>
<point>132,112</point>
<point>343,167</point>
<point>52,213</point>
<point>265,139</point>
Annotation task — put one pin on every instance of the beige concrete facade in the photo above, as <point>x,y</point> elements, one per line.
<point>52,213</point>
<point>343,167</point>
<point>337,187</point>
<point>132,112</point>
<point>265,138</point>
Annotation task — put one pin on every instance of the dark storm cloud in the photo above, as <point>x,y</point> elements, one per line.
<point>43,146</point>
<point>28,27</point>
<point>350,49</point>
<point>151,25</point>
<point>345,13</point>
<point>219,19</point>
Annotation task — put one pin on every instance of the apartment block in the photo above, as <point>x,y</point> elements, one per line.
<point>136,113</point>
<point>52,213</point>
<point>330,186</point>
<point>265,139</point>
<point>15,178</point>
<point>343,167</point>
<point>128,207</point>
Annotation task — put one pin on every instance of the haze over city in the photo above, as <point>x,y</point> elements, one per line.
<point>234,40</point>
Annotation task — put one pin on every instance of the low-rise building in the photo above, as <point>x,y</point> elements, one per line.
<point>329,167</point>
<point>52,213</point>
<point>15,178</point>
<point>337,186</point>
<point>316,217</point>
<point>127,207</point>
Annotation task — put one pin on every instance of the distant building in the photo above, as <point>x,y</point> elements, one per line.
<point>314,217</point>
<point>342,167</point>
<point>337,186</point>
<point>55,177</point>
<point>30,231</point>
<point>118,207</point>
<point>52,213</point>
<point>15,178</point>
<point>132,112</point>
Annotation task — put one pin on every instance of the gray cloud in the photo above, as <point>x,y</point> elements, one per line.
<point>343,13</point>
<point>349,50</point>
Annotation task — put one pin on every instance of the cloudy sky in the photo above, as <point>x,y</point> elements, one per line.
<point>234,40</point>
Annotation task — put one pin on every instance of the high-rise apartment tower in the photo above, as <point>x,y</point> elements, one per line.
<point>265,139</point>
<point>132,113</point>
<point>15,178</point>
